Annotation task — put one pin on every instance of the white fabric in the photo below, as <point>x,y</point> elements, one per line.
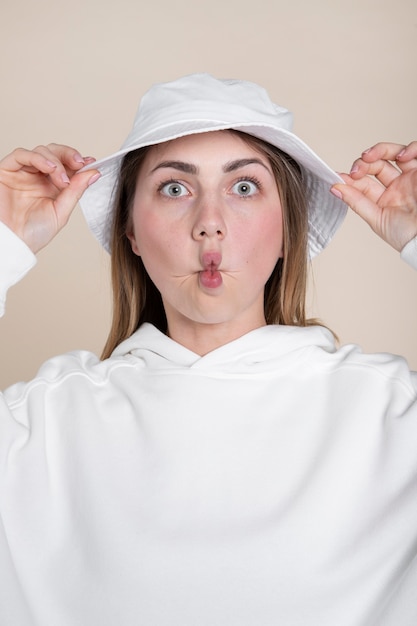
<point>16,261</point>
<point>272,481</point>
<point>409,253</point>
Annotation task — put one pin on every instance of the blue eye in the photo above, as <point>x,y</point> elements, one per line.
<point>245,187</point>
<point>173,189</point>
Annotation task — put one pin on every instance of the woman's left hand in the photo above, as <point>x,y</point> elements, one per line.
<point>382,189</point>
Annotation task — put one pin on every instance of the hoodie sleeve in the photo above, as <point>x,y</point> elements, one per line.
<point>16,261</point>
<point>409,253</point>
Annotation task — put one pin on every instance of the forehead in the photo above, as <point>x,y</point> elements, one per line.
<point>221,146</point>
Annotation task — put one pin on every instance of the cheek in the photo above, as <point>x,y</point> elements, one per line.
<point>265,240</point>
<point>157,244</point>
<point>274,239</point>
<point>147,229</point>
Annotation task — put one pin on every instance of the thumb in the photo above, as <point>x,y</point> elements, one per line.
<point>71,194</point>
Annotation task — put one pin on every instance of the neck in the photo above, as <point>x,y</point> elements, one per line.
<point>204,338</point>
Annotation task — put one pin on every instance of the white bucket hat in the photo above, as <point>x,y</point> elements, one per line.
<point>200,103</point>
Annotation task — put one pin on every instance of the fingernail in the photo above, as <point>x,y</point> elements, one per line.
<point>94,178</point>
<point>65,178</point>
<point>400,154</point>
<point>51,164</point>
<point>366,151</point>
<point>336,193</point>
<point>78,158</point>
<point>354,169</point>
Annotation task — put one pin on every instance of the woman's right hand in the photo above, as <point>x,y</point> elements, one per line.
<point>39,189</point>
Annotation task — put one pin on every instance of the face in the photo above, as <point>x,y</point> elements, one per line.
<point>207,222</point>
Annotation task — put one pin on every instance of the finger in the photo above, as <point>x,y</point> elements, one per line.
<point>71,194</point>
<point>387,151</point>
<point>408,153</point>
<point>66,159</point>
<point>28,159</point>
<point>45,158</point>
<point>88,160</point>
<point>67,155</point>
<point>359,202</point>
<point>60,154</point>
<point>384,171</point>
<point>370,187</point>
<point>405,157</point>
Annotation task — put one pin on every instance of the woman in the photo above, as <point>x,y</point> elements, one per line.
<point>224,463</point>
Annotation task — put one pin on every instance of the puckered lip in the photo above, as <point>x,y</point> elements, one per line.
<point>211,260</point>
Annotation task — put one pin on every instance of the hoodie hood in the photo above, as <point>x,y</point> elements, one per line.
<point>265,348</point>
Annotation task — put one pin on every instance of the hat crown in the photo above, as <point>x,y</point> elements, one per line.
<point>203,97</point>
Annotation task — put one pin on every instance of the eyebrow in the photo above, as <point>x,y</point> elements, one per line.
<point>189,168</point>
<point>235,165</point>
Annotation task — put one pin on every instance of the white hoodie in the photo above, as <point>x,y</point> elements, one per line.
<point>270,482</point>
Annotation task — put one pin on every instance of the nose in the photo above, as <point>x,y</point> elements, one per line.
<point>209,221</point>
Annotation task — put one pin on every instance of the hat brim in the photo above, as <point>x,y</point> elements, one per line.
<point>326,212</point>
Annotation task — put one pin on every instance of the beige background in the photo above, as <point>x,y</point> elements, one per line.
<point>74,73</point>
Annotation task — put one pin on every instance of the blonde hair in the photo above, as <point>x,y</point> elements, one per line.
<point>136,299</point>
